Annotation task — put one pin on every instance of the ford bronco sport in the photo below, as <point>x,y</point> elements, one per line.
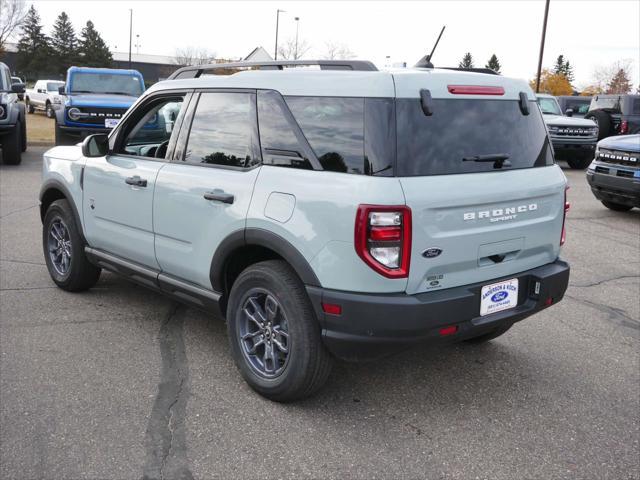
<point>332,211</point>
<point>93,100</point>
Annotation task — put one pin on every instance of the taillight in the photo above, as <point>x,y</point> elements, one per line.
<point>383,238</point>
<point>624,127</point>
<point>567,205</point>
<point>475,90</point>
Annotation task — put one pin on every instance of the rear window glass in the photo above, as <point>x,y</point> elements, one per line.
<point>463,128</point>
<point>612,103</point>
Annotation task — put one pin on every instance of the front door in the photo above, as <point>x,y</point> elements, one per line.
<point>118,189</point>
<point>203,195</point>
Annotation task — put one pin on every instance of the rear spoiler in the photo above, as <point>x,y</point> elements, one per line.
<point>475,70</point>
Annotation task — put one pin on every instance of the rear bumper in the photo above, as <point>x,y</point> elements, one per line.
<point>613,188</point>
<point>374,325</point>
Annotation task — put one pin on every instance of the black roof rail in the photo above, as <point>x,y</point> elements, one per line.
<point>475,70</point>
<point>196,70</point>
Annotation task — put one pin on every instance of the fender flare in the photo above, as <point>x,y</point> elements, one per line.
<point>262,238</point>
<point>53,184</point>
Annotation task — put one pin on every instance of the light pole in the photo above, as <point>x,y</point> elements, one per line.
<point>278,12</point>
<point>130,33</point>
<point>544,34</point>
<point>297,19</point>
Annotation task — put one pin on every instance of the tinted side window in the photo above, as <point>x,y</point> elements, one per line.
<point>224,131</point>
<point>635,106</point>
<point>334,128</point>
<point>280,146</point>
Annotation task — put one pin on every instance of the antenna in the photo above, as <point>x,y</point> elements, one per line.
<point>425,62</point>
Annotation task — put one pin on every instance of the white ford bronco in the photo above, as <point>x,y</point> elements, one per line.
<point>326,210</point>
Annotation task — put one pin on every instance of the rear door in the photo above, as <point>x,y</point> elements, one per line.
<point>203,195</point>
<point>486,199</point>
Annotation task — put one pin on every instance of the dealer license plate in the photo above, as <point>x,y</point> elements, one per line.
<point>111,122</point>
<point>498,297</point>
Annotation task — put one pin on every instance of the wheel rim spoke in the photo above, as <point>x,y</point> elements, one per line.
<point>59,247</point>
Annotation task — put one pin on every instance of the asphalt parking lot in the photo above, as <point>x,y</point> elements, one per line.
<point>121,383</point>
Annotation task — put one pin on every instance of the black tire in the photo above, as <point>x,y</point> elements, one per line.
<point>580,163</point>
<point>603,119</point>
<point>12,146</point>
<point>49,111</point>
<point>80,274</point>
<point>23,135</point>
<point>618,207</point>
<point>307,364</point>
<point>30,108</point>
<point>485,337</point>
<point>62,138</point>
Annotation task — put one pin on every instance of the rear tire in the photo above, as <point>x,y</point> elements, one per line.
<point>618,207</point>
<point>268,309</point>
<point>603,120</point>
<point>580,163</point>
<point>23,135</point>
<point>30,108</point>
<point>63,250</point>
<point>12,146</point>
<point>486,337</point>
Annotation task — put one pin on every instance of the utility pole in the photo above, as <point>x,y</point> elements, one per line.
<point>544,34</point>
<point>295,56</point>
<point>278,12</point>
<point>130,33</point>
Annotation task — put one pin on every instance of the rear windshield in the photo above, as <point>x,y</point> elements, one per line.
<point>462,129</point>
<point>612,103</point>
<point>110,83</point>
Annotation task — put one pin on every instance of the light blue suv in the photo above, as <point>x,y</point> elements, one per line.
<point>326,210</point>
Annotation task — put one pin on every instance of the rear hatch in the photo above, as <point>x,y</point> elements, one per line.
<point>476,214</point>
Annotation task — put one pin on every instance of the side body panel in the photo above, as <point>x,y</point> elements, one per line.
<point>315,212</point>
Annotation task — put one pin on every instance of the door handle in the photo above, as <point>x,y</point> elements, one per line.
<point>219,196</point>
<point>136,181</point>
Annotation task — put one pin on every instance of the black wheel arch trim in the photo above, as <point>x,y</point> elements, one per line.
<point>261,238</point>
<point>53,184</point>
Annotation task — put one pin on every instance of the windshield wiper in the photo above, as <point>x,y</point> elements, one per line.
<point>499,159</point>
<point>118,93</point>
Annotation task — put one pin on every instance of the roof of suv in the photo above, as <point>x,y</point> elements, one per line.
<point>403,83</point>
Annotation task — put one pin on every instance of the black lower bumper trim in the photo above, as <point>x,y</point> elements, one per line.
<point>613,188</point>
<point>375,325</point>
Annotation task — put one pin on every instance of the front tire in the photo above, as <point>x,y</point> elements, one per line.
<point>12,146</point>
<point>618,207</point>
<point>48,110</point>
<point>274,334</point>
<point>579,163</point>
<point>30,108</point>
<point>63,250</point>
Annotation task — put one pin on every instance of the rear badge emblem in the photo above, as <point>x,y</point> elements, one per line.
<point>431,252</point>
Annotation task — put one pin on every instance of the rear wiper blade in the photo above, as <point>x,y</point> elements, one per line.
<point>499,159</point>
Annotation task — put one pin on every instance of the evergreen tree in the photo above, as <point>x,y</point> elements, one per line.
<point>563,67</point>
<point>493,64</point>
<point>93,49</point>
<point>620,83</point>
<point>34,51</point>
<point>467,61</point>
<point>64,43</point>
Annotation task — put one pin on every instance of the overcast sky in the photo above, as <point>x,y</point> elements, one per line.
<point>589,33</point>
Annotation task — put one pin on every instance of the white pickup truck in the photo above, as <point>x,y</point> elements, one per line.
<point>41,96</point>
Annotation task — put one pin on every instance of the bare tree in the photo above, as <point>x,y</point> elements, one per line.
<point>193,56</point>
<point>289,50</point>
<point>12,13</point>
<point>337,51</point>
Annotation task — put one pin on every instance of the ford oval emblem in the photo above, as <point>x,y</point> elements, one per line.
<point>499,296</point>
<point>432,252</point>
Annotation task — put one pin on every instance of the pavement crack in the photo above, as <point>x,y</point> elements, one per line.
<point>18,211</point>
<point>166,437</point>
<point>21,289</point>
<point>616,315</point>
<point>600,282</point>
<point>12,260</point>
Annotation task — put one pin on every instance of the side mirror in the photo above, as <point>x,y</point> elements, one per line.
<point>95,145</point>
<point>17,88</point>
<point>61,89</point>
<point>569,112</point>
